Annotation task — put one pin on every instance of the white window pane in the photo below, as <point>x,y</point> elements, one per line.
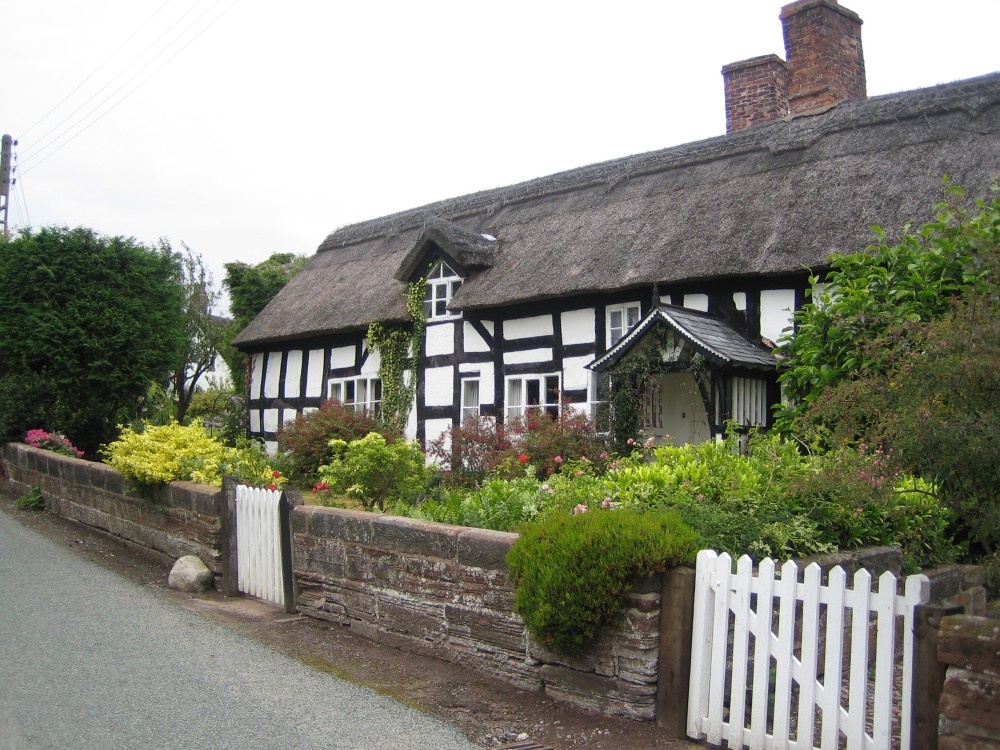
<point>633,316</point>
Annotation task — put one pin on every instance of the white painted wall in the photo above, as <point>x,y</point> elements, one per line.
<point>270,420</point>
<point>272,375</point>
<point>314,376</point>
<point>255,421</point>
<point>578,326</point>
<point>257,375</point>
<point>439,386</point>
<point>434,428</point>
<point>341,356</point>
<point>293,374</point>
<point>776,307</point>
<point>440,339</point>
<point>696,302</point>
<point>528,355</point>
<point>472,341</point>
<point>740,300</point>
<point>575,375</point>
<point>371,365</point>
<point>522,328</point>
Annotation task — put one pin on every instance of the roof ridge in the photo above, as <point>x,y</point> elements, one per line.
<point>777,136</point>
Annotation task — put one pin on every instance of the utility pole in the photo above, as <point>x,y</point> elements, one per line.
<point>5,179</point>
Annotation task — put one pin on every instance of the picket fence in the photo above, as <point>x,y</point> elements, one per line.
<point>258,542</point>
<point>781,663</point>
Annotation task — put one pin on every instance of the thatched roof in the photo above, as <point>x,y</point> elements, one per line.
<point>771,199</point>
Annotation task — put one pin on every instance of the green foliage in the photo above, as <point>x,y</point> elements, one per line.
<point>868,294</point>
<point>51,441</point>
<point>929,391</point>
<point>166,453</point>
<point>306,441</point>
<point>572,572</point>
<point>629,379</point>
<point>499,504</point>
<point>399,347</point>
<point>376,472</point>
<point>87,322</point>
<point>31,500</point>
<point>250,288</point>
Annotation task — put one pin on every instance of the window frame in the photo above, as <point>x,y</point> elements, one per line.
<point>469,410</point>
<point>442,284</point>
<point>624,308</point>
<point>372,386</point>
<point>547,401</point>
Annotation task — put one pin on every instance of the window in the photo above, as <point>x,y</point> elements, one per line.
<point>363,393</point>
<point>530,391</point>
<point>442,283</point>
<point>470,399</point>
<point>621,319</point>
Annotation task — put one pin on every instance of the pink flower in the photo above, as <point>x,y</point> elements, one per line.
<point>579,473</point>
<point>558,460</point>
<point>604,455</point>
<point>581,508</point>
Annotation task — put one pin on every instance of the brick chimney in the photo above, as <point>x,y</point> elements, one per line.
<point>825,65</point>
<point>823,49</point>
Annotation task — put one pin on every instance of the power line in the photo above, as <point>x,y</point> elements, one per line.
<point>94,71</point>
<point>34,161</point>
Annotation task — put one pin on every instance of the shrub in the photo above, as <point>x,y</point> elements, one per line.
<point>375,472</point>
<point>306,440</point>
<point>499,504</point>
<point>165,453</point>
<point>572,572</point>
<point>50,441</point>
<point>480,447</point>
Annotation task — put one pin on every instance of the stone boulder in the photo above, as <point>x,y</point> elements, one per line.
<point>190,574</point>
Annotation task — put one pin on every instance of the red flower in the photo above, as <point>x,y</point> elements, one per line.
<point>522,458</point>
<point>272,486</point>
<point>276,474</point>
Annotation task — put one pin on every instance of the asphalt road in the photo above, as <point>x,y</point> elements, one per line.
<point>91,660</point>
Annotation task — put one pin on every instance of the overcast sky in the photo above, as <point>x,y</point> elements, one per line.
<point>248,127</point>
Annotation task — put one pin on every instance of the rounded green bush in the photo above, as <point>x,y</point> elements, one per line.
<point>572,572</point>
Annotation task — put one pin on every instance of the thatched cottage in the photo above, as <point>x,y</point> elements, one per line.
<point>535,289</point>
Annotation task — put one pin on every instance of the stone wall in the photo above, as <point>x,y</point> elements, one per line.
<point>444,591</point>
<point>173,520</point>
<point>969,719</point>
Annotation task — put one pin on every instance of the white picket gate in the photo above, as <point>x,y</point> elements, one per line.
<point>777,663</point>
<point>258,543</point>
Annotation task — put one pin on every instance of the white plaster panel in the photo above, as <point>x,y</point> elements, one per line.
<point>293,374</point>
<point>696,302</point>
<point>740,300</point>
<point>528,355</point>
<point>665,299</point>
<point>314,376</point>
<point>272,375</point>
<point>439,339</point>
<point>410,429</point>
<point>486,385</point>
<point>522,328</point>
<point>371,365</point>
<point>342,356</point>
<point>575,375</point>
<point>271,447</point>
<point>309,409</point>
<point>255,421</point>
<point>256,375</point>
<point>776,307</point>
<point>439,386</point>
<point>435,428</point>
<point>270,420</point>
<point>472,341</point>
<point>578,326</point>
<point>473,367</point>
<point>288,415</point>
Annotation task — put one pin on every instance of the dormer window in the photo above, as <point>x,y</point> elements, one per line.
<point>621,320</point>
<point>442,283</point>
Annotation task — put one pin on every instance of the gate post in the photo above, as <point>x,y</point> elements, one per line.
<point>230,560</point>
<point>928,674</point>
<point>289,499</point>
<point>674,674</point>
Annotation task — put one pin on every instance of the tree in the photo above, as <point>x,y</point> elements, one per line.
<point>926,389</point>
<point>204,331</point>
<point>250,288</point>
<point>87,323</point>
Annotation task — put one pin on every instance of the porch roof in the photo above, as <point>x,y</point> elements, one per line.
<point>706,334</point>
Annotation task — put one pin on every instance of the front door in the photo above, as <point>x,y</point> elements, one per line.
<point>674,407</point>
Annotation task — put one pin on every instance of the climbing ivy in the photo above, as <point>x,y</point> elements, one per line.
<point>399,348</point>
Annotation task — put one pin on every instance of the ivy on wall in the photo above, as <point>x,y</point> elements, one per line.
<point>399,346</point>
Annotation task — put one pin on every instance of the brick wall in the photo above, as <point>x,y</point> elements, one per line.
<point>444,591</point>
<point>173,520</point>
<point>970,719</point>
